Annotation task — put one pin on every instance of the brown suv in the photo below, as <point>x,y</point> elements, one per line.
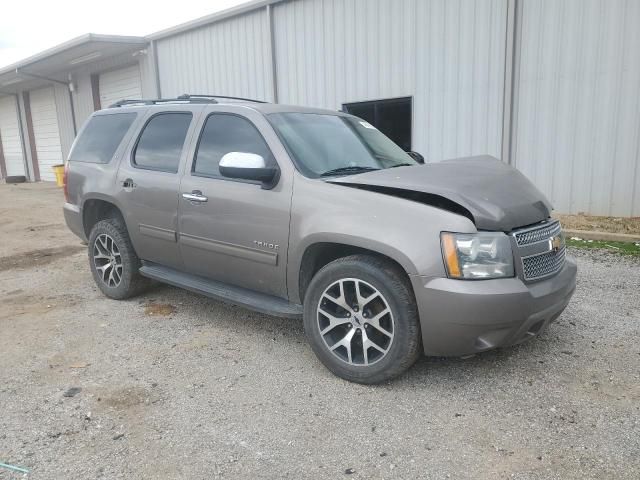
<point>309,213</point>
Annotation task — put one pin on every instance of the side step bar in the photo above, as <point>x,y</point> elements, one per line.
<point>243,297</point>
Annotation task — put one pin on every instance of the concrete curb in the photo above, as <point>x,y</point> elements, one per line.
<point>603,236</point>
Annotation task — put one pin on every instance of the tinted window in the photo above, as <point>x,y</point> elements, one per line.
<point>100,138</point>
<point>227,133</point>
<point>161,142</point>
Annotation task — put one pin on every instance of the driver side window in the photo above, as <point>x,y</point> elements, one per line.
<point>223,133</point>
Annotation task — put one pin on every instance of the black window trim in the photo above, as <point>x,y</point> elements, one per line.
<point>141,132</point>
<point>192,171</point>
<point>345,108</point>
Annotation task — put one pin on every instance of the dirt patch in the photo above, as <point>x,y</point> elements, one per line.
<point>159,309</point>
<point>46,226</point>
<point>37,258</point>
<point>629,226</point>
<point>126,397</point>
<point>21,304</point>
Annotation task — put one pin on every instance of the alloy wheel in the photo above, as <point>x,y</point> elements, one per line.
<point>355,322</point>
<point>107,260</point>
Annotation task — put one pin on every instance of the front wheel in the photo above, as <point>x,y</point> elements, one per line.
<point>361,319</point>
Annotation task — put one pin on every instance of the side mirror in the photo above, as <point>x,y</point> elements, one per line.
<point>417,157</point>
<point>248,166</point>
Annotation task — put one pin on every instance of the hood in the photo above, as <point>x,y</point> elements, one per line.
<point>492,194</point>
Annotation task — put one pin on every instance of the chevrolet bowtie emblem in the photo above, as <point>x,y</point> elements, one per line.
<point>555,243</point>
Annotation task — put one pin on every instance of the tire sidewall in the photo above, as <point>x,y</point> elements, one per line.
<point>113,228</point>
<point>400,301</point>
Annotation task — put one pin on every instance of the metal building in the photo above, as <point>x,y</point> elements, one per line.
<point>45,99</point>
<point>550,86</point>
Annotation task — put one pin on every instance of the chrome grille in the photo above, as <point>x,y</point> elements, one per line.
<point>545,232</point>
<point>541,250</point>
<point>543,265</point>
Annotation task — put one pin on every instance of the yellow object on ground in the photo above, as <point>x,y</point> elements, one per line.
<point>59,171</point>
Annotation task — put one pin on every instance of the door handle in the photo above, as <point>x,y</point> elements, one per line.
<point>128,183</point>
<point>195,196</point>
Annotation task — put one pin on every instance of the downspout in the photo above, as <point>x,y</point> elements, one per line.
<point>53,80</point>
<point>511,79</point>
<point>156,68</point>
<point>71,88</point>
<point>272,52</point>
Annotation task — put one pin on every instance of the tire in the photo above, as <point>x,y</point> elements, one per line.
<point>382,286</point>
<point>113,261</point>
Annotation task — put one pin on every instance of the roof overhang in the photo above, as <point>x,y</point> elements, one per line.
<point>213,18</point>
<point>55,64</point>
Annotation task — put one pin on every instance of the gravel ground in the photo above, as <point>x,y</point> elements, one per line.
<point>173,385</point>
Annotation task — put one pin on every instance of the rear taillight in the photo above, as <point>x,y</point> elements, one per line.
<point>65,182</point>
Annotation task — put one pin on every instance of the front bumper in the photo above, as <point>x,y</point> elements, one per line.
<point>462,317</point>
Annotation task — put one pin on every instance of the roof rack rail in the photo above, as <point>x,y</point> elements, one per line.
<point>156,101</point>
<point>189,96</point>
<point>184,98</point>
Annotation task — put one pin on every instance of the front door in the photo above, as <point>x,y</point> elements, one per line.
<point>235,231</point>
<point>149,182</point>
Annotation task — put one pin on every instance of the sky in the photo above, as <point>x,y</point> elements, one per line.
<point>30,26</point>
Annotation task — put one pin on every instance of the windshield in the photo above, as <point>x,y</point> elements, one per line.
<point>325,145</point>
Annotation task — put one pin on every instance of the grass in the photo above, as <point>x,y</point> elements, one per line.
<point>622,248</point>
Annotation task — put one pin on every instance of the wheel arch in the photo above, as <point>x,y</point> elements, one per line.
<point>320,253</point>
<point>98,208</point>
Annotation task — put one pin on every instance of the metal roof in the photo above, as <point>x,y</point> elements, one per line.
<point>213,18</point>
<point>56,62</point>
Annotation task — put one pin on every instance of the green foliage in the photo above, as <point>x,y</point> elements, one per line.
<point>622,248</point>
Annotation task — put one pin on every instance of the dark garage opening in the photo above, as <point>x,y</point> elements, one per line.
<point>392,117</point>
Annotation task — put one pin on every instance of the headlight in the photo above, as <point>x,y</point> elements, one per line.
<point>474,256</point>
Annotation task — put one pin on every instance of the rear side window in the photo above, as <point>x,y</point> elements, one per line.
<point>101,137</point>
<point>160,144</point>
<point>224,133</point>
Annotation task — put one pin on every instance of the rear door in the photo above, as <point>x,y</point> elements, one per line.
<point>240,234</point>
<point>148,182</point>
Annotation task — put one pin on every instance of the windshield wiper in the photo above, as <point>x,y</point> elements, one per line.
<point>355,169</point>
<point>402,165</point>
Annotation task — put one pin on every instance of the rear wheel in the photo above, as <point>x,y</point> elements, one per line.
<point>361,319</point>
<point>113,261</point>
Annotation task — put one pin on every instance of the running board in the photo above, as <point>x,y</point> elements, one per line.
<point>243,297</point>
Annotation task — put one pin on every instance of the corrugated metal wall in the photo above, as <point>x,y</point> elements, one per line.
<point>230,57</point>
<point>576,112</point>
<point>447,54</point>
<point>577,129</point>
<point>147,75</point>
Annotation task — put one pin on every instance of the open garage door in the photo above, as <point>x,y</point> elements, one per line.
<point>10,137</point>
<point>45,131</point>
<point>119,84</point>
